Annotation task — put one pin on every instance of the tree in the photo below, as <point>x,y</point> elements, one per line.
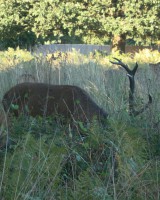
<point>117,20</point>
<point>49,18</point>
<point>82,21</point>
<point>15,27</point>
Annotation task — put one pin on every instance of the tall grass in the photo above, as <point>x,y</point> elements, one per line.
<point>50,160</point>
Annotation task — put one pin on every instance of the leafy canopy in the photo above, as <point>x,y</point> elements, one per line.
<point>83,21</point>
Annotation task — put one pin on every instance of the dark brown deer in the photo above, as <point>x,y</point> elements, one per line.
<point>42,99</point>
<point>131,74</point>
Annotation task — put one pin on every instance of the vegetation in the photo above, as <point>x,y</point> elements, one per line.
<point>30,22</point>
<point>46,159</point>
<point>43,158</point>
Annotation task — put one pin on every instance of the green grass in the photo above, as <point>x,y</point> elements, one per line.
<point>49,160</point>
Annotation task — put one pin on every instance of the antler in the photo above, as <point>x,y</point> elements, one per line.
<point>131,74</point>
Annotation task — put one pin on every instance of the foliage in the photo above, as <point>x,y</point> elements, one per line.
<point>148,56</point>
<point>46,159</point>
<point>11,57</point>
<point>33,161</point>
<point>101,19</point>
<point>27,22</point>
<point>42,159</point>
<point>15,25</point>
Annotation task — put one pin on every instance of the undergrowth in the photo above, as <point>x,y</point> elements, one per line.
<point>43,159</point>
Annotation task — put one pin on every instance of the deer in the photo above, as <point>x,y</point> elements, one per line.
<point>41,99</point>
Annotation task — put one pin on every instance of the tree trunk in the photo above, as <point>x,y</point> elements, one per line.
<point>118,43</point>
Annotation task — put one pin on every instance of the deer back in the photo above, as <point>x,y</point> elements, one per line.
<point>46,100</point>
